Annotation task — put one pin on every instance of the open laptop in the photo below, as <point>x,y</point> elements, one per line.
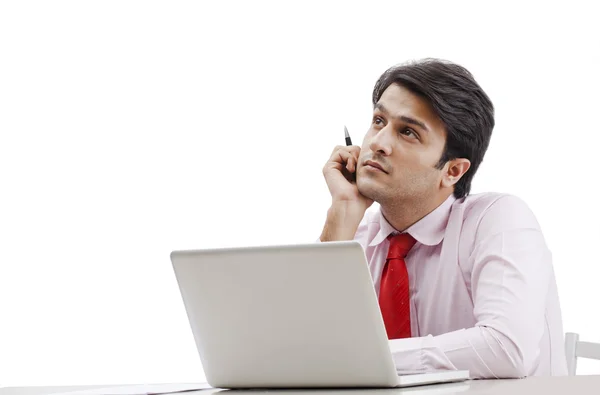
<point>292,316</point>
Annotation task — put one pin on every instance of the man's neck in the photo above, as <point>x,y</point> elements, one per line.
<point>402,215</point>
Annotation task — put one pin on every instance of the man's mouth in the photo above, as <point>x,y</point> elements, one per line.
<point>372,165</point>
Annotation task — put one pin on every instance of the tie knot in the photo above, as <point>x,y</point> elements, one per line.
<point>400,245</point>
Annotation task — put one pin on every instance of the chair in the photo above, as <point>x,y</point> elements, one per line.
<point>574,348</point>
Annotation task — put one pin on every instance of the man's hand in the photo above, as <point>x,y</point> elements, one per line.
<point>348,205</point>
<point>339,172</point>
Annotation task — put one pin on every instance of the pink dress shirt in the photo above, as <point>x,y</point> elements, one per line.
<point>483,295</point>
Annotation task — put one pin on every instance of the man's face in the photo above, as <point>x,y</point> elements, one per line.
<point>406,139</point>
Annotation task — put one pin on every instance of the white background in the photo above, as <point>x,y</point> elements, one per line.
<point>129,129</point>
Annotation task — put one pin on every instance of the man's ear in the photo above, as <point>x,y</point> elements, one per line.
<point>454,170</point>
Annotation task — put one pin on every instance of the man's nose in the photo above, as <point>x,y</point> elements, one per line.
<point>382,141</point>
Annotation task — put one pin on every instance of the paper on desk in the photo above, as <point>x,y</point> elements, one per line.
<point>144,389</point>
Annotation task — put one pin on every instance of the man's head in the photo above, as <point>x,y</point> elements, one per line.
<point>431,127</point>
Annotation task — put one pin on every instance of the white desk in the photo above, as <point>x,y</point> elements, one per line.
<point>570,385</point>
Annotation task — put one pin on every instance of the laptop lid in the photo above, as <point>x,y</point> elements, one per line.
<point>285,316</point>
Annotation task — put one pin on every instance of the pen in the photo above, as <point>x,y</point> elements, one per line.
<point>348,141</point>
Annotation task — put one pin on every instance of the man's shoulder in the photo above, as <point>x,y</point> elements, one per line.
<point>493,212</point>
<point>483,202</point>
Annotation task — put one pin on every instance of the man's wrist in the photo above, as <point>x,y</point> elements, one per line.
<point>342,221</point>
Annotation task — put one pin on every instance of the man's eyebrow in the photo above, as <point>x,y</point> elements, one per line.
<point>404,118</point>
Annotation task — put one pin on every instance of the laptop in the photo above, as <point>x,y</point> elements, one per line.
<point>290,316</point>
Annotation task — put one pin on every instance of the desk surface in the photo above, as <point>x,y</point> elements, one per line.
<point>575,385</point>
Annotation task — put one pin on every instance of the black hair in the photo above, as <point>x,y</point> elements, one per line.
<point>464,108</point>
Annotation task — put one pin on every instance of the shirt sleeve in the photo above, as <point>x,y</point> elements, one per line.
<point>510,279</point>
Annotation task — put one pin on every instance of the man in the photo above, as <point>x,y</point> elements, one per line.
<point>463,281</point>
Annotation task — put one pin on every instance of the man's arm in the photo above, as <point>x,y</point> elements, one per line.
<point>348,205</point>
<point>510,279</point>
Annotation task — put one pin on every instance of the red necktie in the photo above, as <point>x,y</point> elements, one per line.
<point>394,297</point>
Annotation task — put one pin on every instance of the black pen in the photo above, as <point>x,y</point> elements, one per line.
<point>348,141</point>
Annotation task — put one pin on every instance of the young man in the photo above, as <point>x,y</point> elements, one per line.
<point>463,281</point>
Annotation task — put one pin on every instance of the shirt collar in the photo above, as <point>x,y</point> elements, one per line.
<point>429,230</point>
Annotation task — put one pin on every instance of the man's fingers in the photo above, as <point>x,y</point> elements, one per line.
<point>352,148</point>
<point>343,158</point>
<point>351,165</point>
<point>342,153</point>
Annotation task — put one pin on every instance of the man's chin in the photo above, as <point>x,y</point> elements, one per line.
<point>367,189</point>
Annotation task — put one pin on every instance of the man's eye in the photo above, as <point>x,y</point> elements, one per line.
<point>409,132</point>
<point>377,121</point>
